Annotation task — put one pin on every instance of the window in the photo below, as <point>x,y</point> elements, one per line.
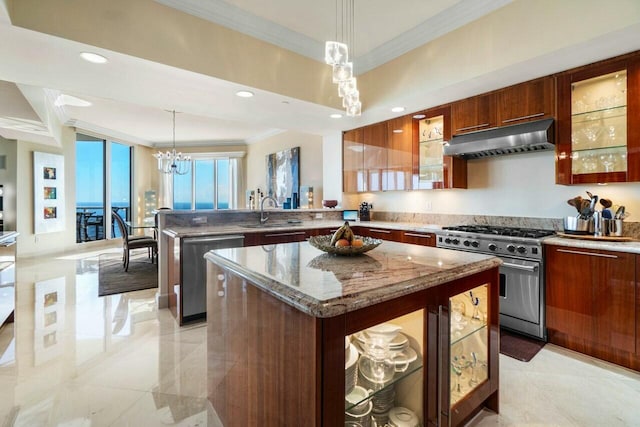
<point>99,162</point>
<point>210,184</point>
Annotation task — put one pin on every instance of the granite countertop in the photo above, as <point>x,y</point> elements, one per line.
<point>631,247</point>
<point>240,228</point>
<point>324,285</point>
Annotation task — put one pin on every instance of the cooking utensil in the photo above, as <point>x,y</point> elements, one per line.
<point>606,203</point>
<point>607,214</point>
<point>585,209</point>
<point>619,213</point>
<point>589,194</point>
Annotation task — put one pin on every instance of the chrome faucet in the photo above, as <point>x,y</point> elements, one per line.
<point>263,217</point>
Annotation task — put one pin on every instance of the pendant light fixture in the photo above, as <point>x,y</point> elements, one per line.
<point>172,162</point>
<point>336,54</point>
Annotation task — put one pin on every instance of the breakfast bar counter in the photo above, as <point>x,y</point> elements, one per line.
<point>283,319</point>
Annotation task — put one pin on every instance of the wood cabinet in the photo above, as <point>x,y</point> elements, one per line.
<point>273,237</point>
<point>418,238</point>
<point>532,100</point>
<point>474,114</point>
<point>379,233</point>
<point>599,122</point>
<point>591,302</point>
<point>375,139</point>
<point>353,172</point>
<point>399,153</point>
<point>638,305</point>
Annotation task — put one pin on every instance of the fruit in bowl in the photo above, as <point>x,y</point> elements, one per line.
<point>344,242</point>
<point>329,203</point>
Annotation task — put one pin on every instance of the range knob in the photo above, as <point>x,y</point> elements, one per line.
<point>466,243</point>
<point>455,241</point>
<point>492,246</point>
<point>511,248</point>
<point>475,244</point>
<point>522,249</point>
<point>447,240</point>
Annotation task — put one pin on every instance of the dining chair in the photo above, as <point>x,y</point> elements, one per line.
<point>155,221</point>
<point>130,243</point>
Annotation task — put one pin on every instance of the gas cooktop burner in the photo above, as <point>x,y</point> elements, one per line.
<point>502,231</point>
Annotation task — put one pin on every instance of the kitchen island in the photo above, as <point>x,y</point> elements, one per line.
<point>278,316</point>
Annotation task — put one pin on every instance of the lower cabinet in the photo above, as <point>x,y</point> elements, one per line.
<point>271,238</point>
<point>419,238</point>
<point>591,302</point>
<point>379,233</point>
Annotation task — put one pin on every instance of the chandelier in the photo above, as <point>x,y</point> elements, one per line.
<point>336,54</point>
<point>172,162</point>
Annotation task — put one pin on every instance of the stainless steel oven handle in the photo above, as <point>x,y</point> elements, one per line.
<point>587,253</point>
<point>531,268</point>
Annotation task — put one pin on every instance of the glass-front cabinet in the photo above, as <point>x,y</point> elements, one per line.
<point>468,348</point>
<point>599,124</point>
<point>384,373</point>
<point>598,109</point>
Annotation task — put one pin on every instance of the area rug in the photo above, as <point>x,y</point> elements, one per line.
<point>113,279</point>
<point>518,346</point>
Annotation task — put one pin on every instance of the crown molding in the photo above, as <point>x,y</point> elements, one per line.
<point>235,18</point>
<point>200,143</point>
<point>230,16</point>
<point>105,133</point>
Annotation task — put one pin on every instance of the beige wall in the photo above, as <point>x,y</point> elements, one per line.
<point>311,160</point>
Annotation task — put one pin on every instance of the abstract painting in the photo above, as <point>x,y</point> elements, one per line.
<point>283,174</point>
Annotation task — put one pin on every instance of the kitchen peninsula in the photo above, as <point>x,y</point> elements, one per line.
<point>284,320</point>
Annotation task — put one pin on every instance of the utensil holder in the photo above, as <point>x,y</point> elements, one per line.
<point>575,225</point>
<point>611,227</point>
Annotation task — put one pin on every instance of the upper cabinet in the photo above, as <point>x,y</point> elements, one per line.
<point>353,173</point>
<point>599,123</point>
<point>532,100</point>
<point>399,153</point>
<point>375,156</point>
<point>474,114</point>
<point>431,169</point>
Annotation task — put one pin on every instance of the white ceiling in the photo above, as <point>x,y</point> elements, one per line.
<point>130,95</point>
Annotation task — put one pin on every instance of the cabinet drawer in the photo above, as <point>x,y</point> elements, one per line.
<point>419,238</point>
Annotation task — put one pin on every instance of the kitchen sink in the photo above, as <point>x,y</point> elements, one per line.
<point>273,225</point>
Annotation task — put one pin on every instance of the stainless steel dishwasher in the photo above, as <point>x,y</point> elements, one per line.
<point>194,271</point>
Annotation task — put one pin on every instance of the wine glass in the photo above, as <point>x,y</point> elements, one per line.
<point>459,362</point>
<point>476,365</point>
<point>476,317</point>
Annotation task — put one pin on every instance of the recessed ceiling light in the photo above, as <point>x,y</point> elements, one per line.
<point>244,94</point>
<point>336,116</point>
<point>93,57</point>
<point>419,116</point>
<point>63,99</point>
<point>397,131</point>
<point>397,109</point>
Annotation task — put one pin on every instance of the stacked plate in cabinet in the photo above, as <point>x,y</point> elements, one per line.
<point>350,366</point>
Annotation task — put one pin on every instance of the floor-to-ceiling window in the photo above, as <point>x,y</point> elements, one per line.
<point>210,184</point>
<point>103,183</point>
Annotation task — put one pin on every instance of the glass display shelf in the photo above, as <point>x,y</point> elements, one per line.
<point>376,389</point>
<point>609,148</point>
<point>599,114</point>
<point>431,141</point>
<point>467,330</point>
<point>431,167</point>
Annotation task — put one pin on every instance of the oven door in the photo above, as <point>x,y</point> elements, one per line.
<point>520,293</point>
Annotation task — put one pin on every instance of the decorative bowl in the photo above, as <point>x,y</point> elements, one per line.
<point>324,244</point>
<point>329,203</point>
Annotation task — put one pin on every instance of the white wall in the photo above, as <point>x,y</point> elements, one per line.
<point>311,161</point>
<point>514,185</point>
<point>332,166</point>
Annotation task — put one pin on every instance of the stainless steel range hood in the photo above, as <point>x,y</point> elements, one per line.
<point>525,137</point>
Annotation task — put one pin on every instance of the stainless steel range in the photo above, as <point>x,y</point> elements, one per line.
<point>521,274</point>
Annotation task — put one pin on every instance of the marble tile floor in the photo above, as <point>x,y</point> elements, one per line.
<point>73,359</point>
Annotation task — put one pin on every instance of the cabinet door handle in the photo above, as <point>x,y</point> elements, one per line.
<point>567,251</point>
<point>530,116</point>
<point>473,127</point>
<point>297,233</point>
<point>426,236</point>
<point>373,230</point>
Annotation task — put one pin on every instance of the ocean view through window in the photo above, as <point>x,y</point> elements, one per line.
<point>210,184</point>
<point>97,162</point>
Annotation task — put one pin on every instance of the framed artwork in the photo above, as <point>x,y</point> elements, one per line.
<point>48,181</point>
<point>283,174</point>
